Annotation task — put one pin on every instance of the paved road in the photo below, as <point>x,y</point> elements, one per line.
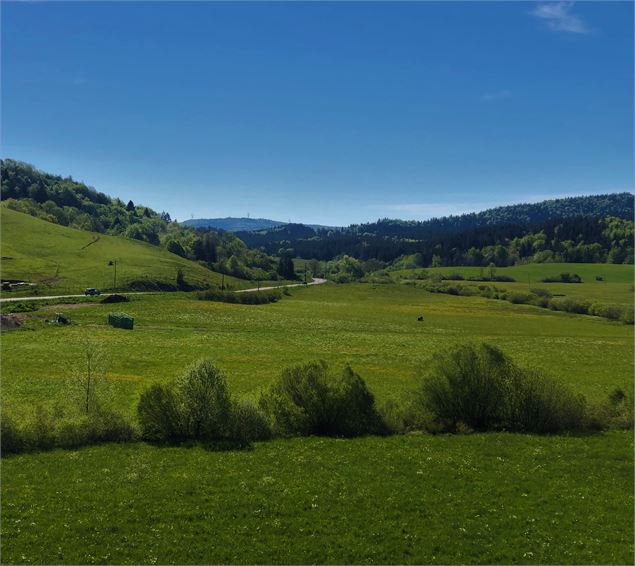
<point>316,281</point>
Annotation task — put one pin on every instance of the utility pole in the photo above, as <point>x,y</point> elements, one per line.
<point>222,282</point>
<point>305,272</point>
<point>114,262</point>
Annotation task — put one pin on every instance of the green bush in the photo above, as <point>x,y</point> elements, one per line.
<point>615,412</point>
<point>519,298</point>
<point>540,404</point>
<point>48,429</point>
<point>481,388</point>
<point>309,400</point>
<point>159,415</point>
<point>541,292</point>
<point>102,425</point>
<point>12,438</point>
<point>612,312</point>
<point>252,298</point>
<point>568,304</point>
<point>563,278</point>
<point>205,403</point>
<point>467,385</point>
<point>198,407</point>
<point>249,423</point>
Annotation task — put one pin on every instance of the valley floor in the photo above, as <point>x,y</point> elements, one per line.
<point>478,498</point>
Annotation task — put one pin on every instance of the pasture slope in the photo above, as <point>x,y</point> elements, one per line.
<point>64,260</point>
<point>478,498</point>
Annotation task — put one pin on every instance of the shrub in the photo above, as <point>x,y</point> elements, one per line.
<point>102,425</point>
<point>615,412</point>
<point>204,402</point>
<point>612,312</point>
<point>40,432</point>
<point>12,438</point>
<point>563,278</point>
<point>568,304</point>
<point>467,385</point>
<point>542,302</point>
<point>519,298</point>
<point>308,400</point>
<point>48,429</point>
<point>159,414</point>
<point>540,404</point>
<point>249,423</point>
<point>481,388</point>
<point>541,292</point>
<point>198,407</point>
<point>252,298</point>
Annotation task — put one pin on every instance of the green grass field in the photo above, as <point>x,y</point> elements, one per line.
<point>486,498</point>
<point>64,260</point>
<point>374,328</point>
<point>616,287</point>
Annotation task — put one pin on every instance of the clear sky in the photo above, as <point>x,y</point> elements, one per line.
<point>327,113</point>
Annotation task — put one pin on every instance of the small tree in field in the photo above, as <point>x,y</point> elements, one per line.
<point>89,376</point>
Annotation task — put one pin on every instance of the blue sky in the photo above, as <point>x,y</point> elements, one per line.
<point>328,113</point>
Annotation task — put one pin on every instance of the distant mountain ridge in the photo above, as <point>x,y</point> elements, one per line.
<point>235,224</point>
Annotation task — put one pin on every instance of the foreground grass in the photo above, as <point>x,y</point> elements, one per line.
<point>486,498</point>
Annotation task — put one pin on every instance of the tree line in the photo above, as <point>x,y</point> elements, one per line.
<point>579,239</point>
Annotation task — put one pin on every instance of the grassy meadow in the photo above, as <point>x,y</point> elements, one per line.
<point>486,498</point>
<point>616,286</point>
<point>478,498</point>
<point>65,260</point>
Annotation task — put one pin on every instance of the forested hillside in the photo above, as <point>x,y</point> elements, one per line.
<point>65,201</point>
<point>580,229</point>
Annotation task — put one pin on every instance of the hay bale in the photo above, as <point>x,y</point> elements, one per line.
<point>121,320</point>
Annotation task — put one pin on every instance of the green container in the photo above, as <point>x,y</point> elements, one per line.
<point>120,320</point>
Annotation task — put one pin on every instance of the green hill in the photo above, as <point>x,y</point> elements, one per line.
<point>62,259</point>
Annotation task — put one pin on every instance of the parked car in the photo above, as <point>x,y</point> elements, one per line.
<point>92,291</point>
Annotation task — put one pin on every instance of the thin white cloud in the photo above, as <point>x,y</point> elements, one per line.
<point>558,16</point>
<point>498,95</point>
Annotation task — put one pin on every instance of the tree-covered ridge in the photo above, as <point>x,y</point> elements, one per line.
<point>575,229</point>
<point>62,200</point>
<point>619,205</point>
